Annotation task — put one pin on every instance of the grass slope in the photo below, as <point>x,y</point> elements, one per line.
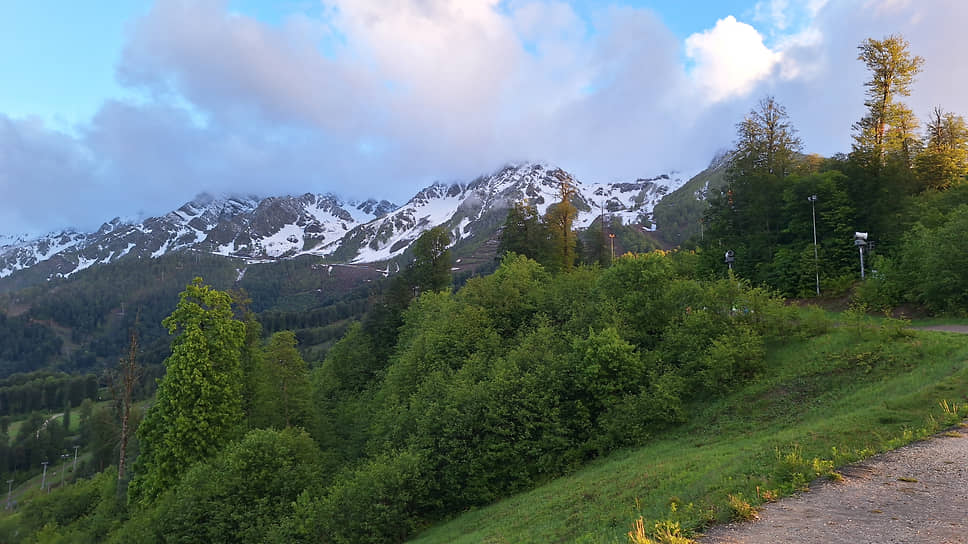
<point>822,403</point>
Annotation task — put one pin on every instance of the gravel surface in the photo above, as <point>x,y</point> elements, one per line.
<point>916,494</point>
<point>963,329</point>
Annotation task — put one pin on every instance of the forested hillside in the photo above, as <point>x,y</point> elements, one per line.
<point>287,413</point>
<point>903,190</point>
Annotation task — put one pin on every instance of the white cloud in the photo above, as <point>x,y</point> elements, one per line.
<point>730,59</point>
<point>772,12</point>
<point>376,98</point>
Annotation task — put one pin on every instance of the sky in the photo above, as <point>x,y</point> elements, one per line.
<point>132,107</point>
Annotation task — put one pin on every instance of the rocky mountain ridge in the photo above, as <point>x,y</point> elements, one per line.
<point>324,225</point>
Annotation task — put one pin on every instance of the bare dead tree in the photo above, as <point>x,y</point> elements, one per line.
<point>125,379</point>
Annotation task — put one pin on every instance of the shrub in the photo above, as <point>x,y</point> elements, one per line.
<point>384,500</point>
<point>881,291</point>
<point>813,321</point>
<point>732,356</point>
<point>239,495</point>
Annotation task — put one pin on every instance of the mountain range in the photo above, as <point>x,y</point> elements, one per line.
<point>336,230</point>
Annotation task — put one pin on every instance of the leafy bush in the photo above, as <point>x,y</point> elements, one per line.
<point>383,501</point>
<point>245,490</point>
<point>731,357</point>
<point>812,321</point>
<point>90,507</point>
<point>881,291</point>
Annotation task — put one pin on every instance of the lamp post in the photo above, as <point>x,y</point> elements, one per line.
<point>65,457</point>
<point>43,480</point>
<point>9,492</point>
<point>860,240</point>
<point>816,260</point>
<point>74,468</point>
<point>611,240</point>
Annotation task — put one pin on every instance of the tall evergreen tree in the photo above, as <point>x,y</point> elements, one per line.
<point>199,404</point>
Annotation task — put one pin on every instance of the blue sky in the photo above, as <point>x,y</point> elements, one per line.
<point>78,49</point>
<point>133,107</point>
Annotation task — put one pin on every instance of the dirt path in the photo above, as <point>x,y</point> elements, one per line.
<point>916,494</point>
<point>963,329</point>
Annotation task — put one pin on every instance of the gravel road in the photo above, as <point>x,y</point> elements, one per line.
<point>916,494</point>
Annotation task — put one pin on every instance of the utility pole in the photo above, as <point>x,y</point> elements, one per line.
<point>43,480</point>
<point>9,492</point>
<point>74,468</point>
<point>816,260</point>
<point>603,231</point>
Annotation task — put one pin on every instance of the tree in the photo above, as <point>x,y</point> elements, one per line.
<point>240,494</point>
<point>282,388</point>
<point>559,218</point>
<point>123,382</point>
<point>251,354</point>
<point>199,403</point>
<point>944,161</point>
<point>431,267</point>
<point>747,217</point>
<point>893,71</point>
<point>766,141</point>
<point>523,233</point>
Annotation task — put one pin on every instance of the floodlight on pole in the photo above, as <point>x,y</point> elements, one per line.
<point>860,240</point>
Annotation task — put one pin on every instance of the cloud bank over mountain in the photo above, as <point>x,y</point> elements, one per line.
<point>364,97</point>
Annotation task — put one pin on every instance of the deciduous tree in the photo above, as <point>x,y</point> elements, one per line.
<point>893,70</point>
<point>199,404</point>
<point>944,161</point>
<point>282,389</point>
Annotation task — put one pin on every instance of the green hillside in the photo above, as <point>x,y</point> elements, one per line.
<point>822,403</point>
<point>678,214</point>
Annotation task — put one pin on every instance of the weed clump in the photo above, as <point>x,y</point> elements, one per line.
<point>740,510</point>
<point>664,532</point>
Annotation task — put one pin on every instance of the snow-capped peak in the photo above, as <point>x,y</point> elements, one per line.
<point>258,229</point>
